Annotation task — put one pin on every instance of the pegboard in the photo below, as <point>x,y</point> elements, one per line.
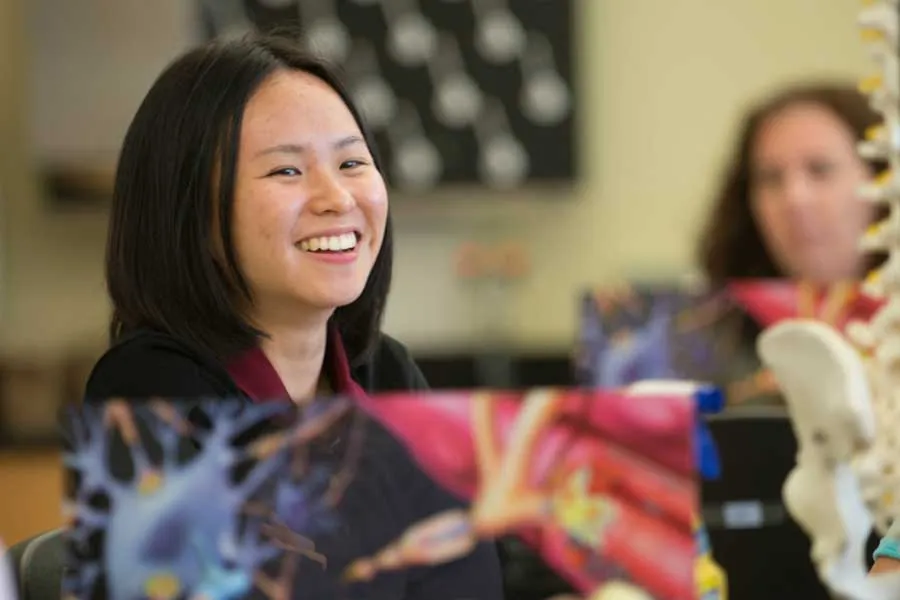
<point>456,91</point>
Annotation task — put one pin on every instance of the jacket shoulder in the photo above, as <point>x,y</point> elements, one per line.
<point>154,364</point>
<point>391,368</point>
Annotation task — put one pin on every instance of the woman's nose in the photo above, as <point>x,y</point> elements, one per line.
<point>327,194</point>
<point>797,193</point>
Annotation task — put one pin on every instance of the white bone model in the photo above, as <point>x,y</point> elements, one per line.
<point>843,390</point>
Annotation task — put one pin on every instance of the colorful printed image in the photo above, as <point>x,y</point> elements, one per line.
<point>635,334</point>
<point>207,500</point>
<point>222,500</point>
<point>640,332</point>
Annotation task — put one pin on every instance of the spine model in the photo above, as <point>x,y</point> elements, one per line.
<point>842,389</point>
<point>879,339</point>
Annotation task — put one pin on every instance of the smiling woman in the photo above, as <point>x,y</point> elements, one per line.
<point>315,184</point>
<point>249,255</point>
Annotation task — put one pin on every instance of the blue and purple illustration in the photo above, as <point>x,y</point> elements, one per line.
<point>206,510</point>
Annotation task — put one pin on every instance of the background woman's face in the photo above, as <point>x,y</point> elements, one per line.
<point>805,173</point>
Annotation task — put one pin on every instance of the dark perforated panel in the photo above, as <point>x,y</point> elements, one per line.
<point>457,91</point>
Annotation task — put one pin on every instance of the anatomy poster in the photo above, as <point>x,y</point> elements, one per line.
<point>639,332</point>
<point>222,500</point>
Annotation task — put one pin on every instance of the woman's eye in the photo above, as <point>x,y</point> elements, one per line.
<point>821,169</point>
<point>285,171</point>
<point>352,164</point>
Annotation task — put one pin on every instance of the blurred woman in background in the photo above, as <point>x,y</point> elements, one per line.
<point>788,207</point>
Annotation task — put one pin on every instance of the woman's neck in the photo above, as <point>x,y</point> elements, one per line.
<point>298,355</point>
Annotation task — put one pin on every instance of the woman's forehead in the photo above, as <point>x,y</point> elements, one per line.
<point>295,107</point>
<point>802,129</point>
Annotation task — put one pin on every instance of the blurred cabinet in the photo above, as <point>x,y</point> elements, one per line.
<point>33,389</point>
<point>31,393</point>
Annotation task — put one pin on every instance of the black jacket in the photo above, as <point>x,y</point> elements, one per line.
<point>152,363</point>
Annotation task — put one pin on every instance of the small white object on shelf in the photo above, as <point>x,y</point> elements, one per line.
<point>7,582</point>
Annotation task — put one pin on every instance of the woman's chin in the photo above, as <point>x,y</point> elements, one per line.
<point>335,298</point>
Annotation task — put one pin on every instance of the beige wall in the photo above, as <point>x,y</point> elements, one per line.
<point>663,84</point>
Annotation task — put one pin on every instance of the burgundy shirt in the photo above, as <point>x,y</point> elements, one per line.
<point>255,375</point>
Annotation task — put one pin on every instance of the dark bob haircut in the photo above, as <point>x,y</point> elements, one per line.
<point>173,197</point>
<point>731,245</point>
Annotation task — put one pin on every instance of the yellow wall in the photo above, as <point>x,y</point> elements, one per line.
<point>663,84</point>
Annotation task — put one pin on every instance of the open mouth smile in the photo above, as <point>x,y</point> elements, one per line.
<point>330,244</point>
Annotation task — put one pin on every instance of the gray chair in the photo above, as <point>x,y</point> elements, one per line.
<point>38,564</point>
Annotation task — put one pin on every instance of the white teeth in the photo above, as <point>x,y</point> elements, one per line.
<point>330,243</point>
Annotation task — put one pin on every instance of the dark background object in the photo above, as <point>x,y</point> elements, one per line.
<point>539,75</point>
<point>502,369</point>
<point>762,549</point>
<point>77,186</point>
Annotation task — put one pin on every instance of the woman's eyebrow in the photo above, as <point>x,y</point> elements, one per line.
<point>340,144</point>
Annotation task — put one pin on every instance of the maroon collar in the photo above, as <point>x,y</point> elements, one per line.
<point>255,375</point>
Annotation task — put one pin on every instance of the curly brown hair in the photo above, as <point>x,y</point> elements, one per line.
<point>731,245</point>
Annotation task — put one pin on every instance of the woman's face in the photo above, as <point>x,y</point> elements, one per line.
<point>804,181</point>
<point>310,207</point>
